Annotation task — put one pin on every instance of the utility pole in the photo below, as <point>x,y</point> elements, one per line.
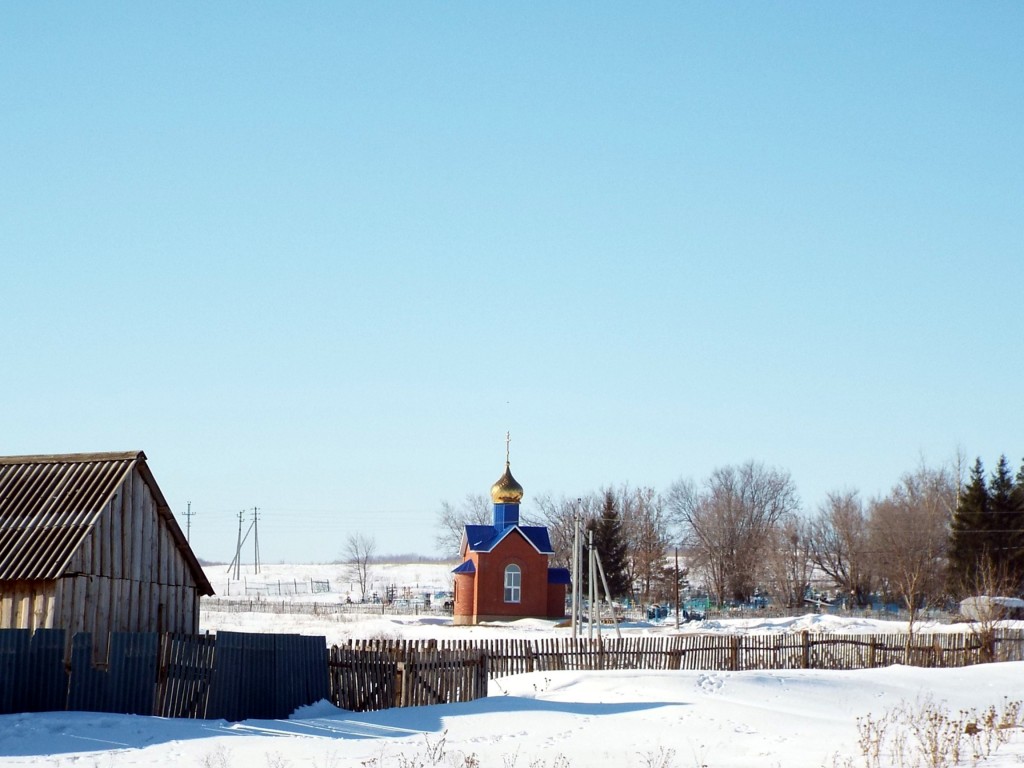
<point>188,522</point>
<point>236,564</point>
<point>577,588</point>
<point>607,595</point>
<point>592,585</point>
<point>256,536</point>
<point>238,547</point>
<point>677,587</point>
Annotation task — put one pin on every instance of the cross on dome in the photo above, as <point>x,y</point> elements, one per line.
<point>507,490</point>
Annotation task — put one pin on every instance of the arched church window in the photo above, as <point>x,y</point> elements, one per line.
<point>513,584</point>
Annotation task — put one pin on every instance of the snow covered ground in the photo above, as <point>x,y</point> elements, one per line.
<point>540,720</point>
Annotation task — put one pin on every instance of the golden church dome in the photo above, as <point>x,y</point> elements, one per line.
<point>506,490</point>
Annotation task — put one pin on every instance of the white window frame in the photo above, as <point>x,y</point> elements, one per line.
<point>513,583</point>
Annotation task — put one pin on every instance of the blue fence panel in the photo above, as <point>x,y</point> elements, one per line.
<point>226,682</point>
<point>88,688</point>
<point>132,668</point>
<point>14,653</point>
<point>48,689</point>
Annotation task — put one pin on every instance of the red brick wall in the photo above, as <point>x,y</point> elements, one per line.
<point>465,599</point>
<point>481,596</point>
<point>490,576</point>
<point>556,601</point>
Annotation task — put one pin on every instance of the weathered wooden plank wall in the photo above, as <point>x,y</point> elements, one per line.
<point>27,605</point>
<point>130,574</point>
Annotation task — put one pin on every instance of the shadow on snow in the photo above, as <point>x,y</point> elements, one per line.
<point>51,733</point>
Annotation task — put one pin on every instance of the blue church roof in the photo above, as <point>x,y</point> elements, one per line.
<point>477,537</point>
<point>484,538</point>
<point>466,567</point>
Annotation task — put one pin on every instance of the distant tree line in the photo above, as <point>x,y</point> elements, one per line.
<point>929,540</point>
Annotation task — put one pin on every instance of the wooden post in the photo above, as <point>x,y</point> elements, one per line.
<point>805,649</point>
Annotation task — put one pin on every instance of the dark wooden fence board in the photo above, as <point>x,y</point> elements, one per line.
<point>48,684</point>
<point>132,670</point>
<point>316,674</point>
<point>87,688</point>
<point>265,676</point>
<point>225,684</point>
<point>301,674</point>
<point>14,652</point>
<point>260,676</point>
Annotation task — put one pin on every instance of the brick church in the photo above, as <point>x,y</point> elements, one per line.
<point>504,573</point>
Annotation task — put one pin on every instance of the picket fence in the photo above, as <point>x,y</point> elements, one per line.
<point>804,650</point>
<point>365,679</point>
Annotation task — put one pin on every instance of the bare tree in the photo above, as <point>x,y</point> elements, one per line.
<point>645,529</point>
<point>990,581</point>
<point>647,540</point>
<point>558,515</point>
<point>789,561</point>
<point>727,521</point>
<point>839,544</point>
<point>359,552</point>
<point>452,520</point>
<point>909,536</point>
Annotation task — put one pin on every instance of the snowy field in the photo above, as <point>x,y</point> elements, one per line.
<point>539,720</point>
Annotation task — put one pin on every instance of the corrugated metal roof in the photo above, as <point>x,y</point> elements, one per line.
<point>49,504</point>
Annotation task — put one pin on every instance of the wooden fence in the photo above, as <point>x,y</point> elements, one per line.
<point>803,650</point>
<point>236,676</point>
<point>365,679</point>
<point>265,605</point>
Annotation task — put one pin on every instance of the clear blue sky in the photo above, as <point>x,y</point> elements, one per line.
<point>319,257</point>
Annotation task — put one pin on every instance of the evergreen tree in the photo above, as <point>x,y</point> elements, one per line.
<point>1015,540</point>
<point>969,544</point>
<point>987,532</point>
<point>610,544</point>
<point>1001,516</point>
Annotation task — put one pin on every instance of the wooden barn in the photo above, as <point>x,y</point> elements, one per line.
<point>88,544</point>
